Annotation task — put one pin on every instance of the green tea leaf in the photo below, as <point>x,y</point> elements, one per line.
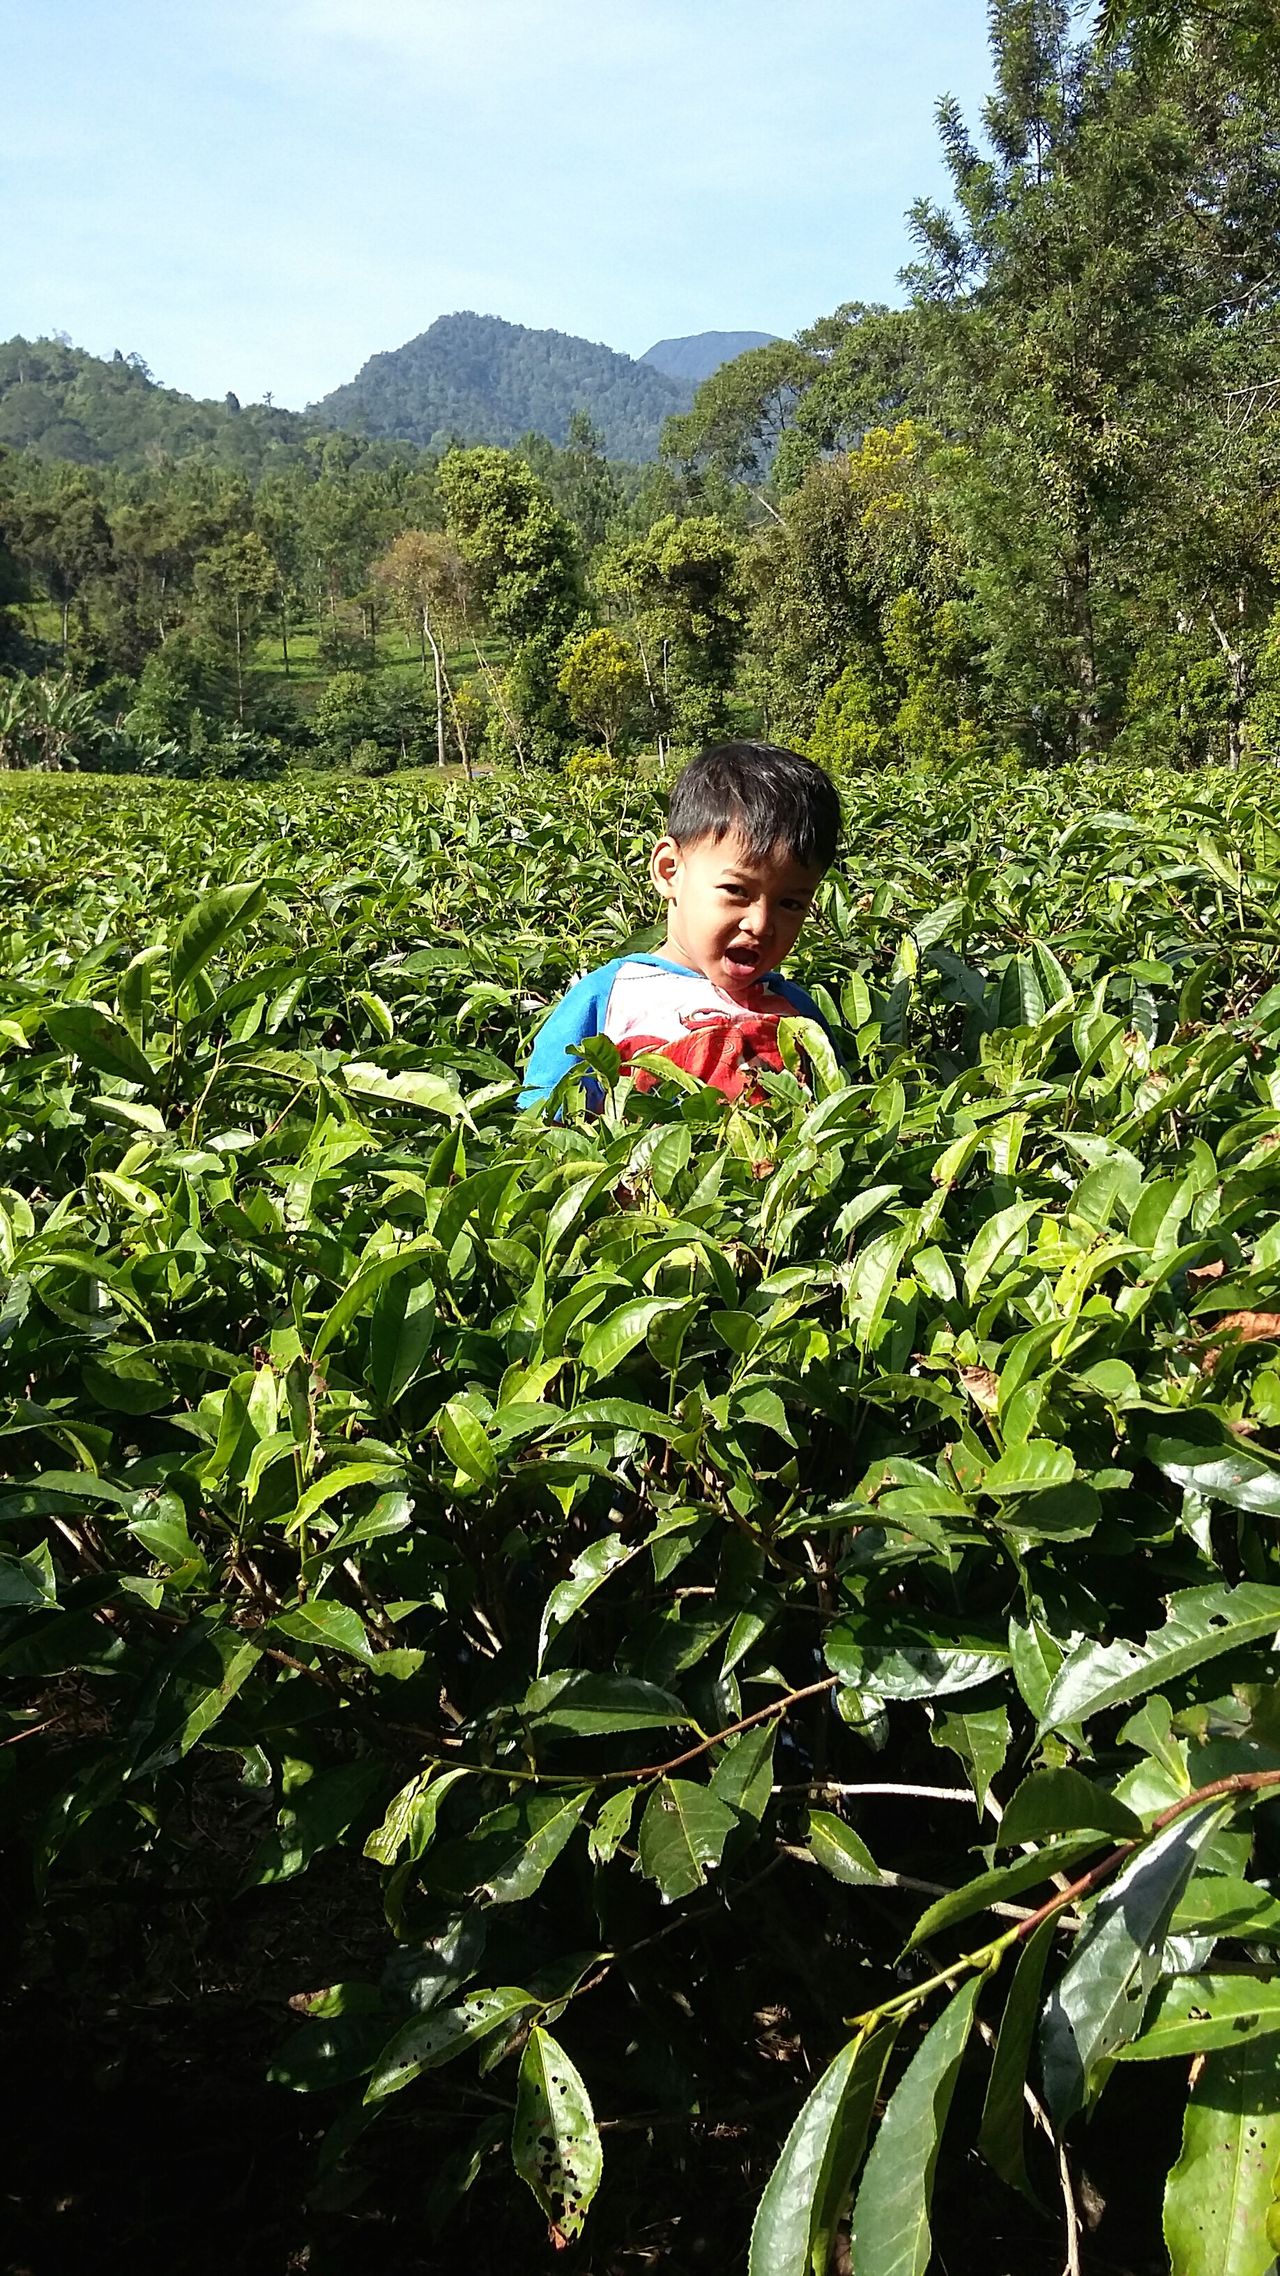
<point>208,928</point>
<point>993,1242</point>
<point>195,1686</point>
<point>795,2224</point>
<point>981,1739</point>
<point>590,1705</point>
<point>1202,1623</point>
<point>1000,1883</point>
<point>1190,2014</point>
<point>418,1087</point>
<point>432,2039</point>
<point>100,1041</point>
<point>1004,2116</point>
<point>890,2230</point>
<point>510,1852</point>
<point>319,1621</point>
<point>682,1835</point>
<point>466,1441</point>
<point>411,1816</point>
<point>1100,1999</point>
<point>615,1337</point>
<point>554,2143</point>
<point>613,1823</point>
<point>1063,1801</point>
<point>589,1568</point>
<point>837,1848</point>
<point>1220,2197</point>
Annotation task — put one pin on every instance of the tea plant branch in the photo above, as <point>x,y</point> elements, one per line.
<point>198,1109</point>
<point>879,1786</point>
<point>1071,2211</point>
<point>1241,1782</point>
<point>987,1958</point>
<point>747,1722</point>
<point>884,1878</point>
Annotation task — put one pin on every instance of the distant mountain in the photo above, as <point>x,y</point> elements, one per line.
<point>482,380</point>
<point>61,402</point>
<point>695,358</point>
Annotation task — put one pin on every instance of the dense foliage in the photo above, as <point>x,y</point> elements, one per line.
<point>667,1586</point>
<point>1031,513</point>
<point>64,404</point>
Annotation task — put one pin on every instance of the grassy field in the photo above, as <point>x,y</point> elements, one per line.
<point>393,655</point>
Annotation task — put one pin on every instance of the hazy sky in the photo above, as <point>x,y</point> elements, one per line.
<point>257,194</point>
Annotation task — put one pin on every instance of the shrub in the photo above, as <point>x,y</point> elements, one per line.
<point>602,682</point>
<point>591,760</point>
<point>855,722</point>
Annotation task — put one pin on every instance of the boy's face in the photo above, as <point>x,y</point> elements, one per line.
<point>731,915</point>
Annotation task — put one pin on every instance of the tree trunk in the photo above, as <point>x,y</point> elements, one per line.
<point>1080,608</point>
<point>650,690</point>
<point>239,663</point>
<point>284,631</point>
<point>460,732</point>
<point>439,671</point>
<point>491,683</point>
<point>1237,663</point>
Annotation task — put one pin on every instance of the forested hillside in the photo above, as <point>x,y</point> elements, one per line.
<point>478,379</point>
<point>63,403</point>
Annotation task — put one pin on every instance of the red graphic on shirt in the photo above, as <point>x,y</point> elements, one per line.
<point>719,1050</point>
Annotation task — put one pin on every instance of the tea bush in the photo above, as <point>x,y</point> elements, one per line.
<point>780,1601</point>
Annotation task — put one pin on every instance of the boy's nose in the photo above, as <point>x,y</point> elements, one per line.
<point>755,920</point>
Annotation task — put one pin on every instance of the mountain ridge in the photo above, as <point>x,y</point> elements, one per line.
<point>695,355</point>
<point>468,378</point>
<point>483,379</point>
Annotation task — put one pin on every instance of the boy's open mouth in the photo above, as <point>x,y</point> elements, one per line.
<point>742,959</point>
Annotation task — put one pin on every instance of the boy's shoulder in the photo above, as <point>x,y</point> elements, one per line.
<point>583,1010</point>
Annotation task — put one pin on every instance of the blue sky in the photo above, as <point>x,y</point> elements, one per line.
<point>258,194</point>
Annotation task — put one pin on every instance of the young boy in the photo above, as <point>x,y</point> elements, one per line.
<point>751,831</point>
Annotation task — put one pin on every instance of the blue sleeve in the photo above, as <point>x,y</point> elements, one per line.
<point>578,1014</point>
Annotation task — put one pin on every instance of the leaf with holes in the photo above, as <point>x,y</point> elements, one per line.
<point>1220,2206</point>
<point>682,1835</point>
<point>1202,1623</point>
<point>554,2143</point>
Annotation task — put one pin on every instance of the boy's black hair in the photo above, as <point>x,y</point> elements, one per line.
<point>770,796</point>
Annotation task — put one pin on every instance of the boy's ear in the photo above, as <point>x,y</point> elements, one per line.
<point>664,866</point>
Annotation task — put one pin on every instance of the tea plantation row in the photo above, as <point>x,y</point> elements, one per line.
<point>776,1606</point>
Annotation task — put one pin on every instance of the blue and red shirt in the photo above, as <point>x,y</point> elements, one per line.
<point>646,1003</point>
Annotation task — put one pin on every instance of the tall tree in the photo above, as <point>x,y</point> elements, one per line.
<point>679,590</point>
<point>426,577</point>
<point>65,539</point>
<point>1067,307</point>
<point>234,581</point>
<point>525,577</point>
<point>1245,32</point>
